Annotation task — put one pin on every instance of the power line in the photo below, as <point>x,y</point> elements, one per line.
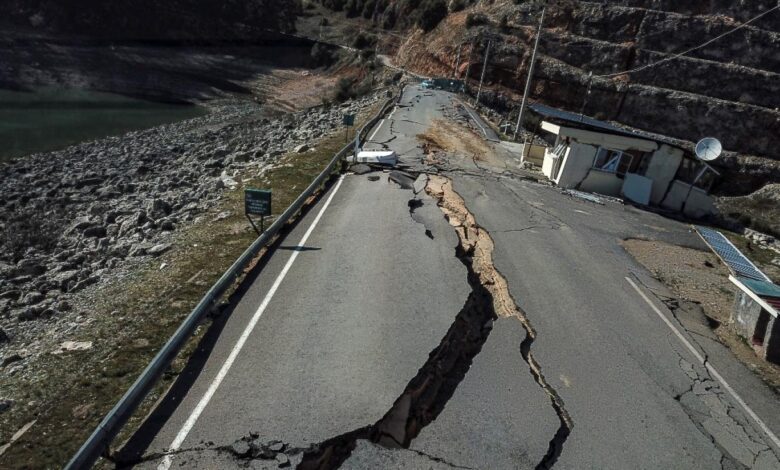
<point>705,44</point>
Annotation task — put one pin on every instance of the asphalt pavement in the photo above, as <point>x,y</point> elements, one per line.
<point>337,332</point>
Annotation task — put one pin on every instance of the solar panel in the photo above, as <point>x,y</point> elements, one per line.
<point>734,259</point>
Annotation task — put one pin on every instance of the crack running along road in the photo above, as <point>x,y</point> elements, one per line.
<point>611,377</point>
<point>710,368</point>
<point>428,392</point>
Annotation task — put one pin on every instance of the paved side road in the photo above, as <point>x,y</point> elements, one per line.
<point>371,341</point>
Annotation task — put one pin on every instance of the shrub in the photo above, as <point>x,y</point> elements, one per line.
<point>363,41</point>
<point>476,19</point>
<point>458,5</point>
<point>344,89</point>
<point>388,20</point>
<point>322,55</point>
<point>433,11</point>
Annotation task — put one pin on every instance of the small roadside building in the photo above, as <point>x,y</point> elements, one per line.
<point>596,156</point>
<point>757,300</point>
<point>756,315</point>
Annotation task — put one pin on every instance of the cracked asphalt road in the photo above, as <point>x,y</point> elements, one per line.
<point>374,298</point>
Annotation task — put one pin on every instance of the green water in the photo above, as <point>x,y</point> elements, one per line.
<point>51,119</point>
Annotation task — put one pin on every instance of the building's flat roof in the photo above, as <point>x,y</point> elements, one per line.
<point>762,288</point>
<point>587,122</point>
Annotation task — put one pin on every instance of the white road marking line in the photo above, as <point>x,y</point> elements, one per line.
<point>709,367</point>
<point>376,130</point>
<point>204,401</point>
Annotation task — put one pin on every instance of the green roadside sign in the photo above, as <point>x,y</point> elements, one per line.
<point>257,202</point>
<point>349,120</point>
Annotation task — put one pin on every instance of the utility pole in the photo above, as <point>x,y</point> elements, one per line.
<point>530,75</point>
<point>482,77</point>
<point>468,66</point>
<point>587,94</point>
<point>457,62</point>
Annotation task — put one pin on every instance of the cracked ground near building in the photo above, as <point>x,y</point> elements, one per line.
<point>456,314</point>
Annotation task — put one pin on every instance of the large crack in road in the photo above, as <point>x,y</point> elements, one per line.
<point>426,395</point>
<point>477,243</point>
<point>428,392</point>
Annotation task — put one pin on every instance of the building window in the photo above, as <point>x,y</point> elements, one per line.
<point>696,173</point>
<point>612,161</point>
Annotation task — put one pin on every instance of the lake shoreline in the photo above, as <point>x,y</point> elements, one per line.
<point>50,119</point>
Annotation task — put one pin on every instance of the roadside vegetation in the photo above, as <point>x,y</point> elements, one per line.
<point>426,14</point>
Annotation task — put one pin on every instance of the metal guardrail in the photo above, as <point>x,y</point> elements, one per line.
<point>113,422</point>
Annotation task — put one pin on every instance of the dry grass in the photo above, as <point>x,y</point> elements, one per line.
<point>693,275</point>
<point>298,89</point>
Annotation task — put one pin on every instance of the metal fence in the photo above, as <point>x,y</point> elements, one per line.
<point>108,429</point>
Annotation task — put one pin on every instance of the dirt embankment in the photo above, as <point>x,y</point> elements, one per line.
<point>176,72</point>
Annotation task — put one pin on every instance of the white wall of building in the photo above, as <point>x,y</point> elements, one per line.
<point>663,166</point>
<point>576,165</point>
<point>602,182</point>
<point>697,203</point>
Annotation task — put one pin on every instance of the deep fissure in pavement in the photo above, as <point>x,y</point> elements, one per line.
<point>477,241</point>
<point>426,395</point>
<point>428,392</point>
<point>415,204</point>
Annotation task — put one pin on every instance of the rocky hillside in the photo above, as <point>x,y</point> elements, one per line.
<point>173,51</point>
<point>152,20</point>
<point>729,89</point>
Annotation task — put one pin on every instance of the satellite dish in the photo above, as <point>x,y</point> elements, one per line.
<point>708,149</point>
